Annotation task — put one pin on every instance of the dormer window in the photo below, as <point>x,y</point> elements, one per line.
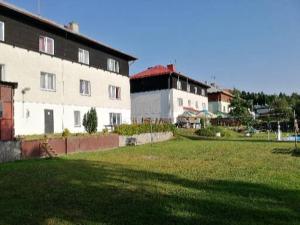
<point>2,31</point>
<point>83,56</point>
<point>46,45</point>
<point>179,87</point>
<point>113,65</point>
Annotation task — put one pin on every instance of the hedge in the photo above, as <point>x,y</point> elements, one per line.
<point>128,130</point>
<point>212,130</point>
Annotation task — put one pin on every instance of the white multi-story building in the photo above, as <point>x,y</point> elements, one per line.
<point>162,93</point>
<point>61,74</point>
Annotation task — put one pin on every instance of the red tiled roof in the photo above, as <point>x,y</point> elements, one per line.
<point>152,72</point>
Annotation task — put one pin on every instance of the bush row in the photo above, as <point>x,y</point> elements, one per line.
<point>132,129</point>
<point>212,130</point>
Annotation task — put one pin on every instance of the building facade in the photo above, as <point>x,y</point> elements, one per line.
<point>61,74</point>
<point>219,100</point>
<point>162,93</point>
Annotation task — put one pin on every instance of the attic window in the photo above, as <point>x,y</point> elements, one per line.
<point>1,31</point>
<point>179,87</point>
<point>46,45</point>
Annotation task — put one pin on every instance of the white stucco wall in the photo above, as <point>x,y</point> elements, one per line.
<point>186,96</point>
<point>150,104</point>
<point>163,104</point>
<point>24,67</point>
<point>216,107</point>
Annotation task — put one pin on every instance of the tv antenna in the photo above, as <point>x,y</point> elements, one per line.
<point>39,7</point>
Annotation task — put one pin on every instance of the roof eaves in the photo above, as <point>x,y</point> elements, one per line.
<point>52,23</point>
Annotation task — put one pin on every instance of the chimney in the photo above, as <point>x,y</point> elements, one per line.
<point>171,67</point>
<point>73,26</point>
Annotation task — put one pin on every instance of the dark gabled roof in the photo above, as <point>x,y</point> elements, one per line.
<point>62,28</point>
<point>160,70</point>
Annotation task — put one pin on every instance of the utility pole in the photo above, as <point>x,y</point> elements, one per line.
<point>296,130</point>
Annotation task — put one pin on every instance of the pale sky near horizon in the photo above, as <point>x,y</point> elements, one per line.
<point>252,45</point>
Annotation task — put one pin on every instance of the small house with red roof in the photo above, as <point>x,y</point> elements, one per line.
<point>160,92</point>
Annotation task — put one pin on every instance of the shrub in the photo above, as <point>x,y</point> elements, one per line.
<point>90,121</point>
<point>212,130</point>
<point>66,133</point>
<point>129,130</point>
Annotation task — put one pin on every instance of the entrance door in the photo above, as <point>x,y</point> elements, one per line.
<point>49,121</point>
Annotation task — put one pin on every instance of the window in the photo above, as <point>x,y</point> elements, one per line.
<point>115,118</point>
<point>46,45</point>
<point>77,119</point>
<point>203,92</point>
<point>196,105</point>
<point>189,102</point>
<point>224,109</point>
<point>48,82</point>
<point>2,75</point>
<point>85,87</point>
<point>180,102</point>
<point>179,87</point>
<point>204,106</point>
<point>188,88</point>
<point>195,90</point>
<point>114,92</point>
<point>113,65</point>
<point>83,56</point>
<point>2,31</point>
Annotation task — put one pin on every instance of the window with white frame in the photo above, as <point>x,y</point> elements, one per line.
<point>180,101</point>
<point>188,88</point>
<point>114,92</point>
<point>196,105</point>
<point>113,65</point>
<point>85,87</point>
<point>83,56</point>
<point>195,90</point>
<point>2,31</point>
<point>179,87</point>
<point>2,75</point>
<point>115,118</point>
<point>203,106</point>
<point>47,81</point>
<point>203,92</point>
<point>77,119</point>
<point>189,102</point>
<point>46,45</point>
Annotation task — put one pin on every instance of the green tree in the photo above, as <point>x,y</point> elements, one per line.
<point>240,109</point>
<point>90,121</point>
<point>281,110</point>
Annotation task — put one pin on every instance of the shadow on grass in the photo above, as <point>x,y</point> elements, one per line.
<point>93,192</point>
<point>287,151</point>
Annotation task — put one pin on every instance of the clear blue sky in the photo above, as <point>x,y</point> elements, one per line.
<point>248,44</point>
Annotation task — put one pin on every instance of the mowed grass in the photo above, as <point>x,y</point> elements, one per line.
<point>183,181</point>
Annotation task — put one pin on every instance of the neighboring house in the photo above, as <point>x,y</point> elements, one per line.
<point>61,74</point>
<point>219,100</point>
<point>162,93</point>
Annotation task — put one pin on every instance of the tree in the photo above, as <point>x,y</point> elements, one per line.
<point>240,109</point>
<point>297,110</point>
<point>90,121</point>
<point>281,109</point>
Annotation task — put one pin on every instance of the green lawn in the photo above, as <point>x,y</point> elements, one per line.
<point>183,181</point>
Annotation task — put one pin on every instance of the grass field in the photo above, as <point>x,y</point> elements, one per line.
<point>183,181</point>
